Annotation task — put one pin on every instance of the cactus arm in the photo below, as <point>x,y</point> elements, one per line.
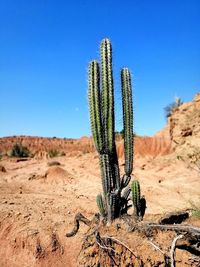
<point>107,94</point>
<point>126,193</point>
<point>127,119</point>
<point>101,205</point>
<point>95,105</point>
<point>96,124</point>
<point>108,110</point>
<point>124,200</point>
<point>116,174</point>
<point>136,196</point>
<point>125,181</point>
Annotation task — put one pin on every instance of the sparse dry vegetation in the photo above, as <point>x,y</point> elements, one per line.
<point>192,159</point>
<point>195,208</point>
<point>18,150</point>
<point>171,108</point>
<point>55,153</point>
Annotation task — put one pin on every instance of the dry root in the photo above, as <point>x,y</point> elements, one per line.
<point>78,218</point>
<point>104,250</point>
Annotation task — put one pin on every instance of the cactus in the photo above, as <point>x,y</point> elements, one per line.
<point>94,99</point>
<point>128,120</point>
<point>101,205</point>
<point>135,187</point>
<point>101,104</point>
<point>126,193</point>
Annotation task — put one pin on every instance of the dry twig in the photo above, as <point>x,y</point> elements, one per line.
<point>119,242</point>
<point>173,249</point>
<point>78,218</point>
<point>192,230</point>
<point>156,247</point>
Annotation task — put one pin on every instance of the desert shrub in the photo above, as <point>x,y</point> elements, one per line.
<point>192,159</point>
<point>195,209</point>
<point>195,158</point>
<point>62,154</point>
<point>196,213</point>
<point>18,150</point>
<point>169,110</point>
<point>85,151</point>
<point>53,153</point>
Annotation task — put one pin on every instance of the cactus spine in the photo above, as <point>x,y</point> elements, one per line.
<point>101,103</point>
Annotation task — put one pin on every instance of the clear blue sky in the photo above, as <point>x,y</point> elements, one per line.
<point>45,47</point>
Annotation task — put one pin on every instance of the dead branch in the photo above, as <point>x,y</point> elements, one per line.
<point>192,230</point>
<point>102,245</point>
<point>121,243</point>
<point>173,249</point>
<point>156,247</point>
<point>78,218</point>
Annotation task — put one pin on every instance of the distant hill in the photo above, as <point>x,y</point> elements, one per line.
<point>181,134</point>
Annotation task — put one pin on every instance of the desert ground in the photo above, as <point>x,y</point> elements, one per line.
<point>39,196</point>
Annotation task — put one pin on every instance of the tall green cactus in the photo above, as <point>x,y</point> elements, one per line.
<point>101,103</point>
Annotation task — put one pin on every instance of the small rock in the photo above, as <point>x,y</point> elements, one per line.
<point>27,215</point>
<point>143,166</point>
<point>33,176</point>
<point>2,168</point>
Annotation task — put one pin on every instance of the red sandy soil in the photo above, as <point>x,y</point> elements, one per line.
<point>38,202</point>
